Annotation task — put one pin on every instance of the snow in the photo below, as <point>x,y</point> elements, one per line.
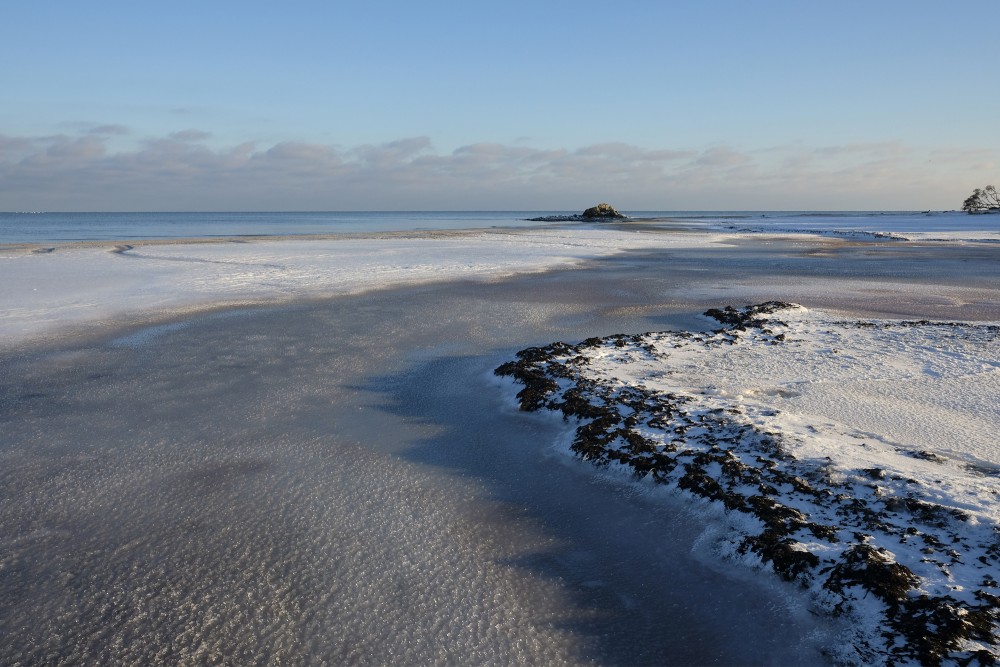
<point>44,292</point>
<point>837,370</point>
<point>833,386</point>
<point>887,435</point>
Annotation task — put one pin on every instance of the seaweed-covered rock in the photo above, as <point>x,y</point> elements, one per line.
<point>874,570</point>
<point>751,316</point>
<point>833,535</point>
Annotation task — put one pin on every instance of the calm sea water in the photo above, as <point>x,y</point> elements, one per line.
<point>847,222</point>
<point>68,227</point>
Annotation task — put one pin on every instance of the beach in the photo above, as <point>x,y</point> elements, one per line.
<point>296,450</point>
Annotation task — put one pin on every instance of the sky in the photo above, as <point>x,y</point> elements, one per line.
<point>679,105</point>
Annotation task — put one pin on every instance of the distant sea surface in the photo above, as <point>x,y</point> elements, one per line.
<point>70,227</point>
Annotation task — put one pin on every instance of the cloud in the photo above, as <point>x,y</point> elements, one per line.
<point>10,146</point>
<point>190,135</point>
<point>874,149</point>
<point>630,153</point>
<point>108,130</point>
<point>182,172</point>
<point>55,152</point>
<point>721,157</point>
<point>981,159</point>
<point>291,151</point>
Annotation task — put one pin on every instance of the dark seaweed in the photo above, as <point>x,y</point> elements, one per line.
<point>720,456</point>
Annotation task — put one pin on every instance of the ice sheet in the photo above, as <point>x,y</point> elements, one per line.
<point>335,483</point>
<point>42,292</point>
<point>251,436</point>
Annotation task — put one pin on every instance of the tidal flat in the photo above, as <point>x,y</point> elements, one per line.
<point>343,480</point>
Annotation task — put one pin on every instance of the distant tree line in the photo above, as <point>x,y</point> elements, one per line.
<point>982,201</point>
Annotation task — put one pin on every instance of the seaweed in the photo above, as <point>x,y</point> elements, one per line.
<point>718,455</point>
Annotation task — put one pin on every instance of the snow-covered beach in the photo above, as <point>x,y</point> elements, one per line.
<point>856,458</point>
<point>332,474</point>
<point>49,288</point>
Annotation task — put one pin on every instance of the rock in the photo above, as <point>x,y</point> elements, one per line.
<point>602,211</point>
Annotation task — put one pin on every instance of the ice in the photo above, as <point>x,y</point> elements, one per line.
<point>944,226</point>
<point>43,293</point>
<point>337,482</point>
<point>332,479</point>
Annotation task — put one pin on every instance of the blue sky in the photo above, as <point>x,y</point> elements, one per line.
<point>515,105</point>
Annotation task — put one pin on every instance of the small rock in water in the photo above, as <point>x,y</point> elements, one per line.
<point>602,211</point>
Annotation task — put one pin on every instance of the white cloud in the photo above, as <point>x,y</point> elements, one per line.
<point>291,151</point>
<point>180,171</point>
<point>721,157</point>
<point>876,149</point>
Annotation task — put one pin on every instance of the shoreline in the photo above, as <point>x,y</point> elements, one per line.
<point>664,225</point>
<point>251,238</point>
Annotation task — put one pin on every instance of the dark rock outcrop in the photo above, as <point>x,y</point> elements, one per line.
<point>602,211</point>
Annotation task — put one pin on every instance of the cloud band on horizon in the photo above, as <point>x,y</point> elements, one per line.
<point>183,171</point>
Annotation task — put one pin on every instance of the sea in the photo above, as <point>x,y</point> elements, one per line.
<point>46,227</point>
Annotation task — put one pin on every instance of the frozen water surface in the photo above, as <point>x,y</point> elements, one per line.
<point>71,286</point>
<point>342,481</point>
<point>249,491</point>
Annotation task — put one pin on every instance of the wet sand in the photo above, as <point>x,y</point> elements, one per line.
<point>343,481</point>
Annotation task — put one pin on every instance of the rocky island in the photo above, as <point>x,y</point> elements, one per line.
<point>600,212</point>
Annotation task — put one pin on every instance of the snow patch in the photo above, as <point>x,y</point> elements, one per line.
<point>855,458</point>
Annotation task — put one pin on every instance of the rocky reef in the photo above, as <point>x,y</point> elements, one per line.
<point>602,212</point>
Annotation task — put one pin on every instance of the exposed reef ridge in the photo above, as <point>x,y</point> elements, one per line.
<point>869,544</point>
<point>600,212</point>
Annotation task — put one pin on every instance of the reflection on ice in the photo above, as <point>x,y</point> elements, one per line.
<point>146,335</point>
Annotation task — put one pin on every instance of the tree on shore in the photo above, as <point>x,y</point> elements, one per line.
<point>981,201</point>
